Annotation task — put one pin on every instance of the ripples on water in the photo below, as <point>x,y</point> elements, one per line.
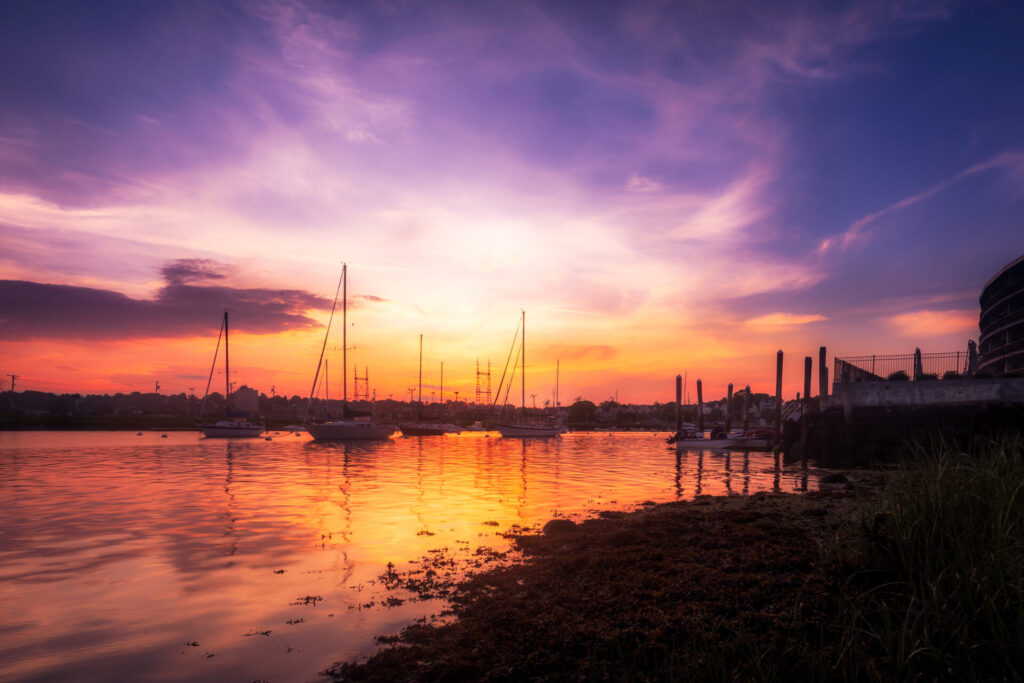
<point>119,552</point>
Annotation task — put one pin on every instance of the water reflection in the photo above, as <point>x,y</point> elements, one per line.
<point>144,543</point>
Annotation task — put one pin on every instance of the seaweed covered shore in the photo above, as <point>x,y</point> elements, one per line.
<point>635,595</point>
<point>908,575</point>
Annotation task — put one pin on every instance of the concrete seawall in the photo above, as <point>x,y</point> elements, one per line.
<point>927,393</point>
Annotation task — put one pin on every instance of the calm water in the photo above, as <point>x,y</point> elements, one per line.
<point>118,551</point>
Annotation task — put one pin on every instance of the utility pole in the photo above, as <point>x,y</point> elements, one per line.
<point>534,396</point>
<point>13,377</point>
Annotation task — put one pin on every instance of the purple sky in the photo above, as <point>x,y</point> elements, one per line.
<point>678,185</point>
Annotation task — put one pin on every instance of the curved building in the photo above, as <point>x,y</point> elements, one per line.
<point>1001,344</point>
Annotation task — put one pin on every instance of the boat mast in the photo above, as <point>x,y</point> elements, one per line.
<point>523,378</point>
<point>344,338</point>
<point>419,391</point>
<point>442,382</point>
<point>557,368</point>
<point>227,370</point>
<point>323,348</point>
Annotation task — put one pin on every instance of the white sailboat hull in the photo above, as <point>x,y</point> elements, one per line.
<point>528,430</point>
<point>342,430</point>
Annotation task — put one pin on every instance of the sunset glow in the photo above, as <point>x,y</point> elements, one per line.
<point>662,188</point>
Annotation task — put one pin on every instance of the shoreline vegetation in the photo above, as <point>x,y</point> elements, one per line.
<point>912,573</point>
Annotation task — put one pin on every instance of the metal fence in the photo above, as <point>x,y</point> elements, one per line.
<point>877,368</point>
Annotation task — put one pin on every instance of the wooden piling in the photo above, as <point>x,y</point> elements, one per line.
<point>700,408</point>
<point>806,406</point>
<point>847,404</point>
<point>778,397</point>
<point>679,401</point>
<point>728,410</point>
<point>746,409</point>
<point>822,374</point>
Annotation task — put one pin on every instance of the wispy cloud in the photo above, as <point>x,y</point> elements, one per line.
<point>859,231</point>
<point>780,320</point>
<point>927,323</point>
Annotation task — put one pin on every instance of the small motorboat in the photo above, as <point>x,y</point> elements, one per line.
<point>760,438</point>
<point>521,430</point>
<point>690,438</point>
<point>344,430</point>
<point>428,428</point>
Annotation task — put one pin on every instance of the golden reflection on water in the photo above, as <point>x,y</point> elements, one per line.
<point>118,552</point>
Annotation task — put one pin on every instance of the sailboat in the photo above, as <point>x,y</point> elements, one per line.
<point>421,428</point>
<point>231,425</point>
<point>524,428</point>
<point>358,427</point>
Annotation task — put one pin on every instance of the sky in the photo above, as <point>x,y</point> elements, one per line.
<point>663,187</point>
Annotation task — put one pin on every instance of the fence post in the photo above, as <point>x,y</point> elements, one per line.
<point>822,374</point>
<point>805,408</point>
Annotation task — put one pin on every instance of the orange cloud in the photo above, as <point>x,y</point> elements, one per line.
<point>775,320</point>
<point>921,323</point>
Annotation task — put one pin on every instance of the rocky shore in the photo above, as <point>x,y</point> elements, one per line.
<point>751,587</point>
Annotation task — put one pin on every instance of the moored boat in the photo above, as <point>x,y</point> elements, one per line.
<point>756,439</point>
<point>526,428</point>
<point>232,428</point>
<point>689,438</point>
<point>352,426</point>
<point>522,429</point>
<point>340,430</point>
<point>236,424</point>
<point>428,428</point>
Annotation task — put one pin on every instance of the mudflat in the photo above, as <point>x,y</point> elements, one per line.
<point>738,586</point>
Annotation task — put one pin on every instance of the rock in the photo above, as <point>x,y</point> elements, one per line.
<point>558,526</point>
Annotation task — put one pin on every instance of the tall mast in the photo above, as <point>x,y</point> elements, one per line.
<point>419,392</point>
<point>442,382</point>
<point>227,370</point>
<point>557,368</point>
<point>524,362</point>
<point>344,337</point>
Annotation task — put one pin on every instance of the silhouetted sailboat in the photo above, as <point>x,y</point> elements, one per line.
<point>351,425</point>
<point>425,428</point>
<point>232,425</point>
<point>524,428</point>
